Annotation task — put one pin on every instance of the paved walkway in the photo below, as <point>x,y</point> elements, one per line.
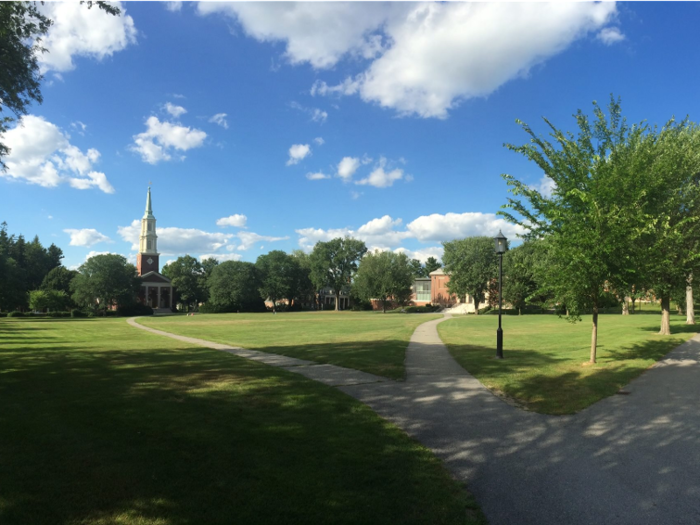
<point>628,459</point>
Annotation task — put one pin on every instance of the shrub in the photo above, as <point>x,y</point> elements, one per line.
<point>135,309</point>
<point>58,314</point>
<point>3,314</point>
<point>15,314</point>
<point>77,313</point>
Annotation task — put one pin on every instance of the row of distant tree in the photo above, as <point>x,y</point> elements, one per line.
<point>33,278</point>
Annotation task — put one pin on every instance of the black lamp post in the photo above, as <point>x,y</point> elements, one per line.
<point>501,246</point>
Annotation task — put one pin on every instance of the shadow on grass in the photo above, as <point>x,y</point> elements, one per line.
<point>197,436</point>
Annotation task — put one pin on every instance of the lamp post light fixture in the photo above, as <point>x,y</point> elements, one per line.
<point>501,247</point>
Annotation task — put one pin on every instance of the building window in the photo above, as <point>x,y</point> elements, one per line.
<point>422,291</point>
<point>150,245</point>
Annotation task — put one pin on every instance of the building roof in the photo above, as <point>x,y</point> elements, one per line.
<point>154,277</point>
<point>439,271</point>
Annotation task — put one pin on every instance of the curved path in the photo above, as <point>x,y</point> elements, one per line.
<point>632,459</point>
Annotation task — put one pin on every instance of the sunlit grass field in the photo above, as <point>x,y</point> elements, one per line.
<point>368,341</point>
<point>545,367</point>
<point>102,423</point>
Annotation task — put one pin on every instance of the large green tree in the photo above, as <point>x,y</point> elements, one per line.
<point>22,26</point>
<point>276,272</point>
<point>233,287</point>
<point>302,289</point>
<point>669,249</point>
<point>471,264</point>
<point>591,222</point>
<point>431,264</point>
<point>521,268</point>
<point>334,263</point>
<point>104,281</point>
<point>186,273</point>
<point>386,276</point>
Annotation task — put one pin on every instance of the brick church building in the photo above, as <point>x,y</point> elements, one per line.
<point>156,289</point>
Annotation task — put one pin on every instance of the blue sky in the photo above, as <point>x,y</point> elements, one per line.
<point>272,126</point>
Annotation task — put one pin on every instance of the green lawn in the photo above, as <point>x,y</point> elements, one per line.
<point>101,423</point>
<point>368,341</point>
<point>545,367</point>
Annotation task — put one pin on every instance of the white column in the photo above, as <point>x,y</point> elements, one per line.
<point>159,288</point>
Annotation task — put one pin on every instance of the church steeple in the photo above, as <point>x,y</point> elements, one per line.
<point>147,258</point>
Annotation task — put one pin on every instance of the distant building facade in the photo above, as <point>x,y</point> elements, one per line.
<point>156,289</point>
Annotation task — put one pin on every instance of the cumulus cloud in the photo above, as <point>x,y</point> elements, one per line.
<point>319,141</point>
<point>220,119</point>
<point>176,241</point>
<point>40,153</point>
<point>380,178</point>
<point>248,239</point>
<point>85,237</point>
<point>235,220</point>
<point>425,57</point>
<point>297,153</point>
<point>173,6</point>
<point>423,254</point>
<point>317,176</point>
<point>175,111</point>
<point>546,186</point>
<point>610,35</point>
<point>78,31</point>
<point>221,257</point>
<point>450,226</point>
<point>161,138</point>
<point>316,114</point>
<point>347,167</point>
<point>384,233</point>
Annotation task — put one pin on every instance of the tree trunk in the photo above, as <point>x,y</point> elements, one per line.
<point>689,303</point>
<point>625,306</point>
<point>383,306</point>
<point>665,316</point>
<point>476,307</point>
<point>337,301</point>
<point>632,304</point>
<point>679,308</point>
<point>594,334</point>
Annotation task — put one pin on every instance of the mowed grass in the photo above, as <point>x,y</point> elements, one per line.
<point>545,367</point>
<point>102,423</point>
<point>369,341</point>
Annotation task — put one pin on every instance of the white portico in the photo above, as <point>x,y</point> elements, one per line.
<point>156,289</point>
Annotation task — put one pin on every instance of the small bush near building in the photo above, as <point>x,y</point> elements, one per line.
<point>58,314</point>
<point>15,314</point>
<point>77,313</point>
<point>133,310</point>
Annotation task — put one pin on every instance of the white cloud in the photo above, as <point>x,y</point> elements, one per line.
<point>319,33</point>
<point>176,241</point>
<point>317,176</point>
<point>235,220</point>
<point>378,233</point>
<point>297,153</point>
<point>319,141</point>
<point>546,186</point>
<point>93,253</point>
<point>380,178</point>
<point>383,233</point>
<point>175,111</point>
<point>450,226</point>
<point>221,257</point>
<point>424,253</point>
<point>173,6</point>
<point>347,167</point>
<point>610,35</point>
<point>248,239</point>
<point>425,57</point>
<point>79,31</point>
<point>80,127</point>
<point>40,153</point>
<point>355,194</point>
<point>86,237</point>
<point>160,138</point>
<point>318,116</point>
<point>220,119</point>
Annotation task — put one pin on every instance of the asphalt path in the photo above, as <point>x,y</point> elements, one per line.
<point>628,459</point>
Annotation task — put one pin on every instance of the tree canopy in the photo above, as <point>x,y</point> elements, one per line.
<point>277,272</point>
<point>186,275</point>
<point>386,276</point>
<point>234,286</point>
<point>471,264</point>
<point>104,281</point>
<point>334,263</point>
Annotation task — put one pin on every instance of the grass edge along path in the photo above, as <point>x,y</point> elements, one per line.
<point>105,424</point>
<point>367,341</point>
<point>545,367</point>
